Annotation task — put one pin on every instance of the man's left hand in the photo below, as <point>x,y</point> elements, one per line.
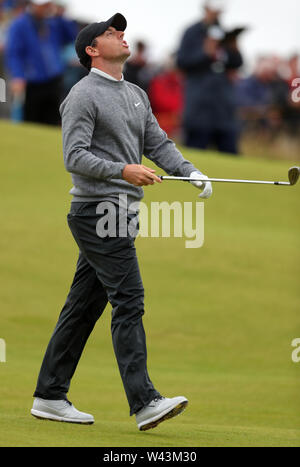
<point>204,186</point>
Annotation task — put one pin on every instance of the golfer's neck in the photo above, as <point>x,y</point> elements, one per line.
<point>114,69</point>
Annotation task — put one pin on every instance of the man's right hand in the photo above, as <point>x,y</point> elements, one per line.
<point>139,175</point>
<point>210,47</point>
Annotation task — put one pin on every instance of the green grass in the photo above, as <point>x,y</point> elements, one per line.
<point>219,319</point>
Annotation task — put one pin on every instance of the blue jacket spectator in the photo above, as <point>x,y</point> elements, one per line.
<point>34,60</point>
<point>34,55</point>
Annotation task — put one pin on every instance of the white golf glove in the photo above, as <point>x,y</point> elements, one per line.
<point>202,185</point>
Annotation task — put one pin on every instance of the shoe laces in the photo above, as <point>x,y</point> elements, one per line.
<point>158,398</point>
<point>155,400</point>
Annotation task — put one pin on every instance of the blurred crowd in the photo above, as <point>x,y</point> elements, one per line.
<point>37,58</point>
<point>202,96</point>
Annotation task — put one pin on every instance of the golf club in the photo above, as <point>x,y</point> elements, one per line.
<point>293,175</point>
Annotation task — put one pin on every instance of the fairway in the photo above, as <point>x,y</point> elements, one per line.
<point>219,319</point>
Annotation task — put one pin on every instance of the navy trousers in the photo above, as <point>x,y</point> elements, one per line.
<point>107,271</point>
<point>223,141</point>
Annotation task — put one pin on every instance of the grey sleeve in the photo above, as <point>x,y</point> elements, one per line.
<point>162,151</point>
<point>78,123</point>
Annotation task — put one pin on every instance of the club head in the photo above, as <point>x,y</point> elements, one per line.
<point>294,173</point>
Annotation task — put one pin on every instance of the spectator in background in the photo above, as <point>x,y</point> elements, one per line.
<point>209,64</point>
<point>73,70</point>
<point>137,69</point>
<point>293,68</point>
<point>9,9</point>
<point>166,97</point>
<point>263,98</point>
<point>33,58</point>
<point>254,96</point>
<point>292,114</point>
<point>3,30</point>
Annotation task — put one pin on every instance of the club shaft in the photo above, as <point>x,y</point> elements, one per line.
<point>225,180</point>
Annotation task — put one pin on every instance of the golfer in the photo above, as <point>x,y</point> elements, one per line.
<point>107,126</point>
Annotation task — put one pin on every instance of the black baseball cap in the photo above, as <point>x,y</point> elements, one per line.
<point>88,34</point>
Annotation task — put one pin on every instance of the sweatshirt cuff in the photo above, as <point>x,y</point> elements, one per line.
<point>196,170</point>
<point>188,169</point>
<point>118,173</point>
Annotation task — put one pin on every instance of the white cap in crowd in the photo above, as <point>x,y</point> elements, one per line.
<point>40,2</point>
<point>216,5</point>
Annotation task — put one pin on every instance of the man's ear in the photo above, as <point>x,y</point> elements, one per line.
<point>91,51</point>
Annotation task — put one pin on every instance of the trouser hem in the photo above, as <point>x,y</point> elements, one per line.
<point>137,408</point>
<point>51,397</point>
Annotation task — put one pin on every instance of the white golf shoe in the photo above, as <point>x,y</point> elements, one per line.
<point>159,410</point>
<point>60,411</point>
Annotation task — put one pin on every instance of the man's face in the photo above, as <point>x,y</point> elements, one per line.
<point>212,15</point>
<point>112,46</point>
<point>42,11</point>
